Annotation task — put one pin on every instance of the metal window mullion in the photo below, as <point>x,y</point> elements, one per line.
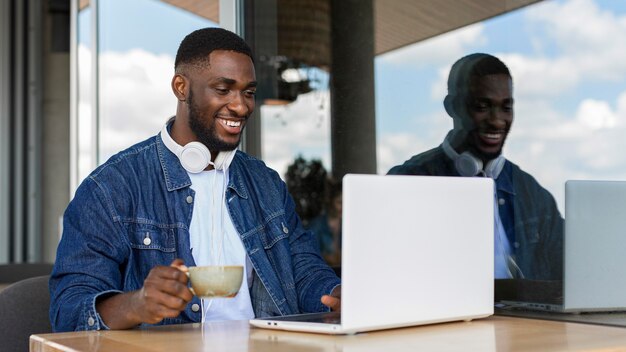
<point>95,88</point>
<point>34,133</point>
<point>231,15</point>
<point>5,132</point>
<point>17,167</point>
<point>74,140</point>
<point>232,18</point>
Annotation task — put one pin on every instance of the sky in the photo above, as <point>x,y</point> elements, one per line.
<point>567,59</point>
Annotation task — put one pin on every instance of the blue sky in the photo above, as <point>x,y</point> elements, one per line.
<point>567,57</point>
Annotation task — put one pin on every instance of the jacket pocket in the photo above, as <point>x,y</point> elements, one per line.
<point>273,232</point>
<point>275,241</point>
<point>151,246</point>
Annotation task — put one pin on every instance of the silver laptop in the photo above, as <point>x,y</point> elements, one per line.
<point>416,250</point>
<point>594,250</point>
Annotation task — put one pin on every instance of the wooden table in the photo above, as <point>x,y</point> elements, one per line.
<point>492,334</point>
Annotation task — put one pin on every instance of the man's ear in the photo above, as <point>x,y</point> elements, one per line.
<point>457,112</point>
<point>180,86</point>
<point>450,105</point>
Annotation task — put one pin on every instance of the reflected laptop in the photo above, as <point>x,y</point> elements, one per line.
<point>416,250</point>
<point>594,251</point>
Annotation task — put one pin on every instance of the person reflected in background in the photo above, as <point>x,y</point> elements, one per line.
<point>528,225</point>
<point>327,225</point>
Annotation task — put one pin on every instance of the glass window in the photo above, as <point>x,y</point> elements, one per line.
<point>85,161</point>
<point>124,93</point>
<point>136,64</point>
<point>568,90</point>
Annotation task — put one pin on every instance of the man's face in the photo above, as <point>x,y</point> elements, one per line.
<point>489,108</point>
<point>221,99</point>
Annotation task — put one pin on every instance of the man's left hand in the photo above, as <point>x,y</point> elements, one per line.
<point>333,301</point>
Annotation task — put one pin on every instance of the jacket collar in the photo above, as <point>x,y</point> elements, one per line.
<point>176,176</point>
<point>173,172</point>
<point>236,175</point>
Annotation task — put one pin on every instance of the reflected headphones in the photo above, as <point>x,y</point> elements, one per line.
<point>468,165</point>
<point>195,156</point>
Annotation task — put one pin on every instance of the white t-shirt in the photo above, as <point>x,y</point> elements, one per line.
<point>214,241</point>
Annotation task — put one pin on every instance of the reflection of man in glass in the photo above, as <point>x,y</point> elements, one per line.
<point>528,225</point>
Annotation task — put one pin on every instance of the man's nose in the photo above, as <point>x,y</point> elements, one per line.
<point>238,105</point>
<point>497,116</point>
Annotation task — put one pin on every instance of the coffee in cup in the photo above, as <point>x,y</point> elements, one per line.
<point>215,280</point>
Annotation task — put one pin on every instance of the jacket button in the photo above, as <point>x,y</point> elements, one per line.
<point>91,321</point>
<point>501,201</point>
<point>195,307</point>
<point>189,199</point>
<point>147,240</point>
<point>285,229</point>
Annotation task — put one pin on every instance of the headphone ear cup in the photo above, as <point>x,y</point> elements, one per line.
<point>195,157</point>
<point>468,165</point>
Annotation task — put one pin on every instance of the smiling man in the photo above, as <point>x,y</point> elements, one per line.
<point>528,226</point>
<point>188,197</point>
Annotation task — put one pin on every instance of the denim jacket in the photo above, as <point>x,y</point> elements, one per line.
<point>144,192</point>
<point>528,211</point>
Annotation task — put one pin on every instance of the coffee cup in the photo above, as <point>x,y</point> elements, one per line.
<point>215,280</point>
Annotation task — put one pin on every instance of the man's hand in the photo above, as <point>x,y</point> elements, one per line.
<point>333,301</point>
<point>164,295</point>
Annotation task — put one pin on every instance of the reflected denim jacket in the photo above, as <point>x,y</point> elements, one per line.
<point>144,193</point>
<point>530,215</point>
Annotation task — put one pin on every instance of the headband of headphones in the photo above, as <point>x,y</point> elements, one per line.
<point>195,156</point>
<point>467,164</point>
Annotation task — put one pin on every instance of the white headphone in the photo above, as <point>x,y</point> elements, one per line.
<point>469,165</point>
<point>195,156</point>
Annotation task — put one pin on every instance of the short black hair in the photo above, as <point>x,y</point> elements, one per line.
<point>199,44</point>
<point>473,65</point>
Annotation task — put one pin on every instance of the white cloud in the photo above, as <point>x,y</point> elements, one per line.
<point>554,147</point>
<point>395,148</point>
<point>588,39</point>
<point>621,106</point>
<point>300,128</point>
<point>136,98</point>
<point>541,77</point>
<point>596,114</point>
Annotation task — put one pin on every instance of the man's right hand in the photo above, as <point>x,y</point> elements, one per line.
<point>164,295</point>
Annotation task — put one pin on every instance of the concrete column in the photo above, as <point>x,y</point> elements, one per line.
<point>353,122</point>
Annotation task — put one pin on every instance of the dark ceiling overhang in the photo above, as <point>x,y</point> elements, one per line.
<point>401,22</point>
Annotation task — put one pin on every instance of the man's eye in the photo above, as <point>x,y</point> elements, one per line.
<point>481,107</point>
<point>222,91</point>
<point>250,93</point>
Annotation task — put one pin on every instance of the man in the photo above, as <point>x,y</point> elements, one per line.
<point>528,225</point>
<point>187,197</point>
